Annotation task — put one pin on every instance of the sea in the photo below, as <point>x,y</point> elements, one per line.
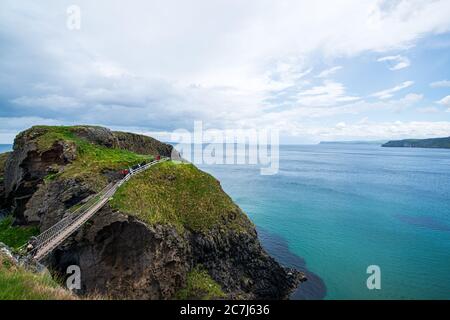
<point>5,147</point>
<point>334,210</point>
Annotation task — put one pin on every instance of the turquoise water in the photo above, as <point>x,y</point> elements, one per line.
<point>336,209</point>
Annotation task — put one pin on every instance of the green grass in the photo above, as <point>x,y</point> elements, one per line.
<point>15,237</point>
<point>180,195</point>
<point>92,160</point>
<point>16,283</point>
<point>200,286</point>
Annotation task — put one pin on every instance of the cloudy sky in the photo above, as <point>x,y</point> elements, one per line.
<point>315,70</point>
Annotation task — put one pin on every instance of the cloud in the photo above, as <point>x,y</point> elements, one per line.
<point>399,129</point>
<point>52,101</point>
<point>440,84</point>
<point>428,110</point>
<point>376,131</point>
<point>396,62</point>
<point>445,101</point>
<point>330,93</point>
<point>328,72</point>
<point>389,93</point>
<point>155,67</point>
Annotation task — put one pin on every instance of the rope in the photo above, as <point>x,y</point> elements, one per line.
<point>51,238</point>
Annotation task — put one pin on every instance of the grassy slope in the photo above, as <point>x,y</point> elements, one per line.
<point>200,286</point>
<point>15,237</point>
<point>181,195</point>
<point>17,283</point>
<point>91,159</point>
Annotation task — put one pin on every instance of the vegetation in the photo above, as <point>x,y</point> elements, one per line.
<point>420,143</point>
<point>92,159</point>
<point>16,283</point>
<point>200,286</point>
<point>15,237</point>
<point>178,194</point>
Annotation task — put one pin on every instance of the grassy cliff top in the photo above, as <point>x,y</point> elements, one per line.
<point>16,283</point>
<point>91,158</point>
<point>181,195</point>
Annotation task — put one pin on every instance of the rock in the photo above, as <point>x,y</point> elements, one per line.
<point>50,201</point>
<point>124,258</point>
<point>97,135</point>
<point>142,144</point>
<point>27,166</point>
<point>7,252</point>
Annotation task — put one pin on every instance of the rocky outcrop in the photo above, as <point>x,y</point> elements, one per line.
<point>255,275</point>
<point>3,158</point>
<point>27,166</point>
<point>121,256</point>
<point>124,140</point>
<point>142,144</point>
<point>48,204</point>
<point>30,163</point>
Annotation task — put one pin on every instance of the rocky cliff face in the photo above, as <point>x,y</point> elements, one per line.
<point>121,255</point>
<point>3,158</point>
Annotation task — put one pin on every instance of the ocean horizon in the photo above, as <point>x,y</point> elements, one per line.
<point>5,147</point>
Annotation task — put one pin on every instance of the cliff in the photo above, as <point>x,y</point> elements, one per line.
<point>420,143</point>
<point>3,157</point>
<point>170,232</point>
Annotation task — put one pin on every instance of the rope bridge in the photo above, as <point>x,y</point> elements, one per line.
<point>51,238</point>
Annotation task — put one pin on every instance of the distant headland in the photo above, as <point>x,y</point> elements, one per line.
<point>420,143</point>
<point>376,142</point>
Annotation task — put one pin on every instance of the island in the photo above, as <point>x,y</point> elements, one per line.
<point>420,143</point>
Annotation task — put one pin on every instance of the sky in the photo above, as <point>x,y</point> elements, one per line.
<point>314,70</point>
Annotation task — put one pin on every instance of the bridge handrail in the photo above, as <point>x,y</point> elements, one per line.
<point>49,234</point>
<point>72,217</point>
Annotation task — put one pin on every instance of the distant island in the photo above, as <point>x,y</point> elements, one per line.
<point>420,143</point>
<point>377,142</point>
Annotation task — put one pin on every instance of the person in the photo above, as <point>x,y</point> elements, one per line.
<point>31,244</point>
